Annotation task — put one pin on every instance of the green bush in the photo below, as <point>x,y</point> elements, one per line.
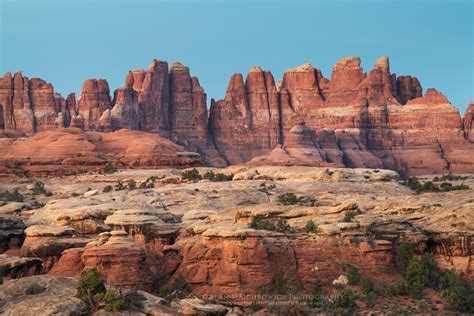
<point>259,222</point>
<point>345,302</point>
<point>290,199</point>
<point>132,184</point>
<point>34,288</point>
<point>120,186</point>
<point>317,299</point>
<point>107,189</point>
<point>14,196</point>
<point>350,215</point>
<point>311,227</point>
<point>192,175</point>
<point>403,256</point>
<point>368,286</point>
<point>414,184</point>
<point>266,189</point>
<point>414,277</point>
<point>108,169</point>
<point>457,292</point>
<point>217,177</point>
<point>352,274</point>
<point>89,285</point>
<point>111,299</point>
<point>39,189</point>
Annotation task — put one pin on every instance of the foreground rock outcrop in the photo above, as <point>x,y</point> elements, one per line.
<point>239,238</point>
<point>357,119</point>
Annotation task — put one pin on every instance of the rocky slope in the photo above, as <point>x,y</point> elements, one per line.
<point>200,234</point>
<point>374,120</point>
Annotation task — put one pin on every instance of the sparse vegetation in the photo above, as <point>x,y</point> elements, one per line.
<point>352,274</point>
<point>14,196</point>
<point>349,215</point>
<point>34,288</point>
<point>108,169</point>
<point>217,177</point>
<point>131,184</point>
<point>290,199</point>
<point>259,222</point>
<point>266,189</point>
<point>311,227</point>
<point>450,177</point>
<point>39,189</point>
<point>422,273</point>
<point>191,175</point>
<point>90,285</point>
<point>420,187</point>
<point>120,186</point>
<point>107,188</point>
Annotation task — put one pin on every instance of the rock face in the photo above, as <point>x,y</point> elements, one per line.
<point>379,121</point>
<point>467,121</point>
<point>374,120</point>
<point>92,150</point>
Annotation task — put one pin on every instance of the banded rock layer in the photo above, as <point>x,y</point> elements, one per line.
<point>374,120</point>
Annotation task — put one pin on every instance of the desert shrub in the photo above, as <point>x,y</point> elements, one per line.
<point>120,186</point>
<point>258,222</point>
<point>289,199</point>
<point>279,283</point>
<point>112,301</point>
<point>352,274</point>
<point>108,169</point>
<point>457,292</point>
<point>14,196</point>
<point>450,177</point>
<point>428,186</point>
<point>403,256</point>
<point>89,285</point>
<point>345,302</point>
<point>282,226</point>
<point>317,294</point>
<point>266,189</point>
<point>34,288</point>
<point>350,215</point>
<point>39,189</point>
<point>310,227</point>
<point>178,289</point>
<point>132,184</point>
<point>368,286</point>
<point>192,175</point>
<point>107,189</point>
<point>414,277</point>
<point>217,177</point>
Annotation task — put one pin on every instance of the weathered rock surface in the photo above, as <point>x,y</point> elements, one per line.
<point>58,297</point>
<point>52,151</point>
<point>374,120</point>
<point>12,267</point>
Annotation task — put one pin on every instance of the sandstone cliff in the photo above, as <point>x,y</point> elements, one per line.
<point>356,119</point>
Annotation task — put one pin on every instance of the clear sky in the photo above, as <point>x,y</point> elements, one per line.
<point>66,42</point>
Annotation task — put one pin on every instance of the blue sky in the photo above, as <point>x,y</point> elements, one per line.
<point>67,42</point>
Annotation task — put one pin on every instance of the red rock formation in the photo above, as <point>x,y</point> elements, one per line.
<point>375,120</point>
<point>246,123</point>
<point>467,121</point>
<point>93,101</point>
<point>92,150</point>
